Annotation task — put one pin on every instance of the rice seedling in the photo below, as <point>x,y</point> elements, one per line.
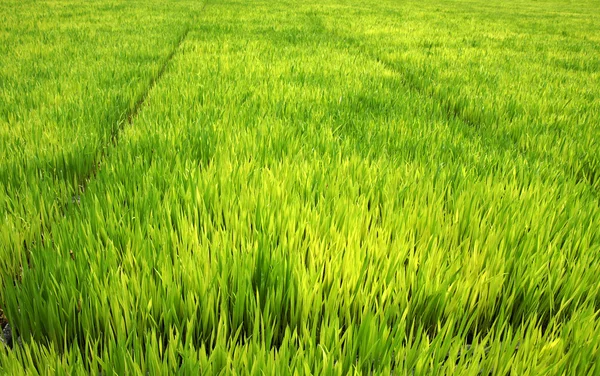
<point>326,188</point>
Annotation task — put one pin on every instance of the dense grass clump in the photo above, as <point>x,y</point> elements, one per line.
<point>312,188</point>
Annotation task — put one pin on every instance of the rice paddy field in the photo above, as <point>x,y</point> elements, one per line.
<point>300,187</point>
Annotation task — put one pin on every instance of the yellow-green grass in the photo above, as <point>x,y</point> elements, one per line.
<point>297,196</point>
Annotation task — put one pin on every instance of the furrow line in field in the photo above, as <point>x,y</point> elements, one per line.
<point>409,79</point>
<point>583,173</point>
<point>128,119</point>
<point>142,99</point>
<point>579,174</point>
<point>111,143</point>
<point>129,116</point>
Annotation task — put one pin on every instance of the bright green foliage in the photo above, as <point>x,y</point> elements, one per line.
<point>317,188</point>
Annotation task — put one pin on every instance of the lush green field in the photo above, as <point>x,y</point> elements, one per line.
<point>300,187</point>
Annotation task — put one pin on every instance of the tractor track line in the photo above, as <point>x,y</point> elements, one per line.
<point>112,142</point>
